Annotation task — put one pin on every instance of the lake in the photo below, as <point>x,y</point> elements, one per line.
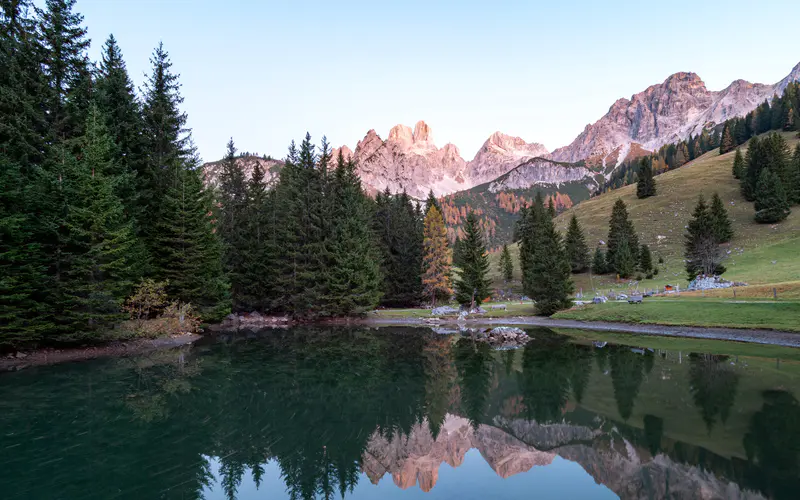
<point>405,413</point>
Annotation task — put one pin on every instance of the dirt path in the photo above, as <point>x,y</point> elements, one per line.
<point>49,356</point>
<point>771,337</point>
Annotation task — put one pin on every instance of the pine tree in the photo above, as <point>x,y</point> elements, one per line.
<point>702,252</point>
<point>233,223</point>
<point>549,282</point>
<point>257,287</point>
<point>795,174</point>
<point>526,233</point>
<point>575,244</point>
<point>599,262</point>
<point>189,252</point>
<point>66,67</point>
<point>754,163</point>
<point>622,235</point>
<point>646,185</point>
<point>645,260</point>
<point>506,265</point>
<point>727,142</point>
<point>433,202</point>
<point>117,102</point>
<point>354,282</point>
<point>436,258</point>
<point>771,203</point>
<point>457,252</point>
<point>473,281</point>
<point>97,264</point>
<point>738,165</point>
<point>720,222</point>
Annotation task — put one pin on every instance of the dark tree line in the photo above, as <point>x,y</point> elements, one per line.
<point>99,184</point>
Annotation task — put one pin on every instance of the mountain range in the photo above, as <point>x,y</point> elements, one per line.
<point>409,159</point>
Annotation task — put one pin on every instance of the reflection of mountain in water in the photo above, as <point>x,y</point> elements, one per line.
<point>611,459</point>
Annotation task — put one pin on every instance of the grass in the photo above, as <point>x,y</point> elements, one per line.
<point>760,253</point>
<point>693,311</point>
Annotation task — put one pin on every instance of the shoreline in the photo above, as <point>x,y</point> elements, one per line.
<point>753,336</point>
<point>52,356</point>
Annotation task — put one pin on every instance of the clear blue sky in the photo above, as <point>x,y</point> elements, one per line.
<point>266,72</point>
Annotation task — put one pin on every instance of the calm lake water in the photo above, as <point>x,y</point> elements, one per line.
<point>406,413</point>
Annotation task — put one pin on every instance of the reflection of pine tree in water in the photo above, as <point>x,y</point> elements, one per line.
<point>653,431</point>
<point>773,442</point>
<point>474,364</point>
<point>713,386</point>
<point>601,357</point>
<point>545,378</point>
<point>439,380</point>
<point>627,373</point>
<point>581,370</point>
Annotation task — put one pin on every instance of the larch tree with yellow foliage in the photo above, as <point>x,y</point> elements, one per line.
<point>436,260</point>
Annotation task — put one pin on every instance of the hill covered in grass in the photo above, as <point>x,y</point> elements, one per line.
<point>759,253</point>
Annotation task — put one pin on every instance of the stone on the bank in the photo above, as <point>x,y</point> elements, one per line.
<point>444,311</point>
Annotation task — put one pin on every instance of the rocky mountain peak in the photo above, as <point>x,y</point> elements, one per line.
<point>402,136</point>
<point>423,136</point>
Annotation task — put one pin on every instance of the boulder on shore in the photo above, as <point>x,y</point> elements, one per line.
<point>504,337</point>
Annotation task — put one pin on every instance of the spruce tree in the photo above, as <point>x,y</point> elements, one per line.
<point>354,281</point>
<point>702,252</point>
<point>795,175</point>
<point>117,102</point>
<point>622,235</point>
<point>66,67</point>
<point>97,265</point>
<point>770,199</point>
<point>527,234</point>
<point>738,165</point>
<point>549,281</point>
<point>506,264</point>
<point>457,252</point>
<point>727,142</point>
<point>257,287</point>
<point>575,244</point>
<point>433,202</point>
<point>435,258</point>
<point>599,261</point>
<point>24,207</point>
<point>646,185</point>
<point>645,260</point>
<point>720,221</point>
<point>473,280</point>
<point>233,222</point>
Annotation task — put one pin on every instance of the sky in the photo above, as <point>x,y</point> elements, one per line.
<point>267,72</point>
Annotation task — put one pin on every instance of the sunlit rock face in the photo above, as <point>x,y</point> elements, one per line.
<point>668,112</point>
<point>415,458</point>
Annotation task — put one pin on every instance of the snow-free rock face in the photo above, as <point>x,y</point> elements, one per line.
<point>499,154</point>
<point>540,172</point>
<point>668,112</point>
<point>271,168</point>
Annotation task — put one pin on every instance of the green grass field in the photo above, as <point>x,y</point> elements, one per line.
<point>695,311</point>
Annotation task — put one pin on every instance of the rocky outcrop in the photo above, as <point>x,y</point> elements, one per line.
<point>541,172</point>
<point>271,168</point>
<point>668,112</point>
<point>499,154</point>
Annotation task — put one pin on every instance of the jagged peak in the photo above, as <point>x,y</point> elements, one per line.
<point>423,135</point>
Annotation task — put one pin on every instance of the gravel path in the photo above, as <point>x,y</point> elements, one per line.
<point>771,337</point>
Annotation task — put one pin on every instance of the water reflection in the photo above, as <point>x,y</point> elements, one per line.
<point>324,413</point>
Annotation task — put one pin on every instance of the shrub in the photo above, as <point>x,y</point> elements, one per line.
<point>149,299</point>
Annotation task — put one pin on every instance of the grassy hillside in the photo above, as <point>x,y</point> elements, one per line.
<point>759,253</point>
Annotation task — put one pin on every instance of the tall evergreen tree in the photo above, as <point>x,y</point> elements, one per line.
<point>527,234</point>
<point>457,252</point>
<point>727,142</point>
<point>548,282</point>
<point>258,275</point>
<point>702,252</point>
<point>721,223</point>
<point>473,281</point>
<point>738,165</point>
<point>599,261</point>
<point>575,244</point>
<point>98,265</point>
<point>435,258</point>
<point>646,185</point>
<point>117,102</point>
<point>355,281</point>
<point>233,223</point>
<point>66,67</point>
<point>506,264</point>
<point>433,202</point>
<point>771,202</point>
<point>795,174</point>
<point>623,244</point>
